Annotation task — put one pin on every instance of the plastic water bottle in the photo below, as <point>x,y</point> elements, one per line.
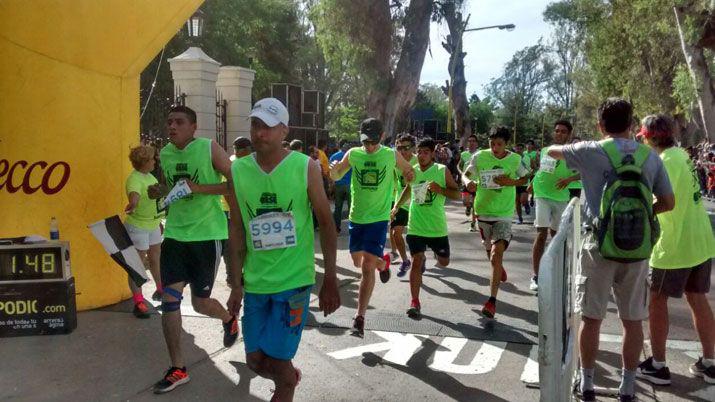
<point>54,229</point>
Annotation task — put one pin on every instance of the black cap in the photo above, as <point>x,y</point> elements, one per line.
<point>241,142</point>
<point>370,130</point>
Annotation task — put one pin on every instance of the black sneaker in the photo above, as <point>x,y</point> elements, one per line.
<point>141,310</point>
<point>626,398</point>
<point>698,369</point>
<point>156,296</point>
<point>173,378</point>
<point>359,325</point>
<point>414,312</point>
<point>230,332</point>
<point>649,373</point>
<point>472,227</point>
<point>588,395</point>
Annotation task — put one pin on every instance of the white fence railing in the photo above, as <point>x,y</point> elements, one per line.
<point>558,325</point>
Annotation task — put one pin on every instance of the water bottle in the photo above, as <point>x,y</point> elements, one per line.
<point>54,229</point>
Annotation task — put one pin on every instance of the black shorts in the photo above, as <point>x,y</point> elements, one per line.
<point>401,218</point>
<point>419,244</point>
<point>193,262</point>
<point>520,189</point>
<point>673,282</point>
<point>574,192</point>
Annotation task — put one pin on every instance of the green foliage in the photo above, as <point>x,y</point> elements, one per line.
<point>684,91</point>
<point>346,122</point>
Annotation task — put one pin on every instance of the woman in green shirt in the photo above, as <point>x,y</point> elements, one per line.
<point>143,222</point>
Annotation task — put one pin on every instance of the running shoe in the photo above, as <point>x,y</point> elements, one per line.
<point>588,395</point>
<point>651,374</point>
<point>394,255</point>
<point>489,309</point>
<point>230,332</point>
<point>468,211</point>
<point>503,274</point>
<point>404,267</point>
<point>359,325</point>
<point>698,369</point>
<point>472,227</point>
<point>626,398</point>
<point>534,285</point>
<point>527,209</point>
<point>414,312</point>
<point>141,310</point>
<point>173,378</point>
<point>385,272</point>
<point>156,296</point>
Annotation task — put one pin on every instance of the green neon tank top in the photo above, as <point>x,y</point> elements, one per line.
<point>686,237</point>
<point>428,219</point>
<point>550,171</point>
<point>371,184</point>
<point>495,202</point>
<point>285,189</point>
<point>197,217</point>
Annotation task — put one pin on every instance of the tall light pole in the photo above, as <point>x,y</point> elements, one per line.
<point>456,52</point>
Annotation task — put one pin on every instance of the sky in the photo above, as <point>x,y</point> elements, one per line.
<point>488,50</point>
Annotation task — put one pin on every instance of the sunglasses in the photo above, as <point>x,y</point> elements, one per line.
<point>404,147</point>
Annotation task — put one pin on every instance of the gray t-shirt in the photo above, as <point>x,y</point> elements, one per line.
<point>595,168</point>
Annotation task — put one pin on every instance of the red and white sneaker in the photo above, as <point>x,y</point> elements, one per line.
<point>385,272</point>
<point>174,377</point>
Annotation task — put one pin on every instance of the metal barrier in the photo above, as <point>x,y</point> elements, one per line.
<point>558,325</point>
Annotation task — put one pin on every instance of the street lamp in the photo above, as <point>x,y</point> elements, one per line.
<point>195,24</point>
<point>452,66</point>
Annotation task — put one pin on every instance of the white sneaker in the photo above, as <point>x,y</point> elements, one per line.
<point>533,285</point>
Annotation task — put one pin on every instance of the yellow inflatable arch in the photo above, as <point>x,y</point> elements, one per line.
<point>69,111</point>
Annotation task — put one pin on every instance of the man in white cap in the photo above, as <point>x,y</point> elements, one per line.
<point>271,238</point>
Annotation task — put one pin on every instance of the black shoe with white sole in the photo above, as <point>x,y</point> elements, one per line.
<point>174,377</point>
<point>698,369</point>
<point>653,375</point>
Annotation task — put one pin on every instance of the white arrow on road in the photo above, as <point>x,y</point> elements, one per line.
<point>400,347</point>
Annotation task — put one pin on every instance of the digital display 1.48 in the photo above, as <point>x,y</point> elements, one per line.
<point>31,263</point>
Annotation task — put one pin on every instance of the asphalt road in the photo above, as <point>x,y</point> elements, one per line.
<point>452,353</point>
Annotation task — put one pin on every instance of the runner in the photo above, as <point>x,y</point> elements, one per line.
<point>398,222</point>
<point>427,226</point>
<point>143,223</point>
<point>272,237</point>
<point>522,196</point>
<point>195,229</point>
<point>497,171</point>
<point>681,260</point>
<point>552,196</point>
<point>598,278</point>
<point>468,197</point>
<point>342,186</point>
<point>371,187</point>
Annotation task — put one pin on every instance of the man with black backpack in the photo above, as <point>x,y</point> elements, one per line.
<point>619,178</point>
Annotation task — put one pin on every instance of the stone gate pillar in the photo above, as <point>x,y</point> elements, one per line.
<point>235,85</point>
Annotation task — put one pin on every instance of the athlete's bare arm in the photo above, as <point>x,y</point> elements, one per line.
<point>329,297</point>
<point>237,251</point>
<point>338,169</point>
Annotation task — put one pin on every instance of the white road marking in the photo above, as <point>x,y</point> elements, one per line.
<point>530,375</point>
<point>484,361</point>
<point>399,347</point>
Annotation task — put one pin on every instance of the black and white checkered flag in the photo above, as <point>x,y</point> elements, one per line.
<point>115,240</point>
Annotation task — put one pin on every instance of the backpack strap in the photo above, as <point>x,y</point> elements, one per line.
<point>617,158</point>
<point>611,150</point>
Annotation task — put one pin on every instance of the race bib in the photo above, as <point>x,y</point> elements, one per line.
<point>486,178</point>
<point>419,192</point>
<point>548,164</point>
<point>180,190</point>
<point>272,231</point>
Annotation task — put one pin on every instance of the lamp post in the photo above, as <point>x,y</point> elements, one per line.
<point>195,25</point>
<point>458,50</point>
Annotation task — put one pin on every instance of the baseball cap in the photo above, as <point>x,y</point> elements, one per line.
<point>370,130</point>
<point>271,111</point>
<point>241,142</point>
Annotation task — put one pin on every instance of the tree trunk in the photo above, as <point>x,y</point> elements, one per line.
<point>379,22</point>
<point>453,45</point>
<point>406,79</point>
<point>700,74</point>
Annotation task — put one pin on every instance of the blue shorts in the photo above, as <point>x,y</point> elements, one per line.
<point>369,237</point>
<point>273,323</point>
